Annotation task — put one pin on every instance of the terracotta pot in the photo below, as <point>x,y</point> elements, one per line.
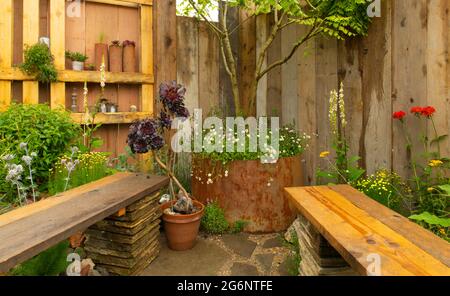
<point>253,192</point>
<point>101,50</point>
<point>115,58</point>
<point>129,58</point>
<point>182,230</point>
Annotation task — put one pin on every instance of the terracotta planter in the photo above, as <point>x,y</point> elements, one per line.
<point>101,50</point>
<point>253,191</point>
<point>182,230</point>
<point>129,58</point>
<point>115,58</point>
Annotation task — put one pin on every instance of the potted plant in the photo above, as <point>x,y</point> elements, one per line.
<point>101,52</point>
<point>129,56</point>
<point>115,56</point>
<point>243,183</point>
<point>77,59</point>
<point>38,61</point>
<point>181,215</point>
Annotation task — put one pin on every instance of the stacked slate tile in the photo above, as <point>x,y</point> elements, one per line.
<point>318,257</point>
<point>126,244</point>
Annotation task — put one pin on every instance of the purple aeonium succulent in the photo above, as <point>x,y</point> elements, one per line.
<point>171,96</point>
<point>144,136</point>
<point>164,120</point>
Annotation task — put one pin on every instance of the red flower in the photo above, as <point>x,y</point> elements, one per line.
<point>428,111</point>
<point>399,115</point>
<point>416,110</point>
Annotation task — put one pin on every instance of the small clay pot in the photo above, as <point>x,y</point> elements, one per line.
<point>101,50</point>
<point>182,230</point>
<point>77,66</point>
<point>129,58</point>
<point>115,58</point>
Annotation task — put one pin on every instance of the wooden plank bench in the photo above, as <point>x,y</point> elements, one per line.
<point>357,227</point>
<point>29,230</point>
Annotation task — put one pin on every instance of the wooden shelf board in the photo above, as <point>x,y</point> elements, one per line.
<point>82,76</point>
<point>112,118</point>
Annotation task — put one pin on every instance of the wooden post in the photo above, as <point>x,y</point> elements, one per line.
<point>57,47</point>
<point>30,37</point>
<point>261,93</point>
<point>147,96</point>
<point>6,41</point>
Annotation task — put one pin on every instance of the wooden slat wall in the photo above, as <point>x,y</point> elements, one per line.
<point>403,62</point>
<point>6,52</point>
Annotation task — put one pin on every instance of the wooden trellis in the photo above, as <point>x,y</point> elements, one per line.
<point>30,91</point>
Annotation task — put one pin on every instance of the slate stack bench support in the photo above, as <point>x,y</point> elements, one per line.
<point>318,257</point>
<point>127,244</point>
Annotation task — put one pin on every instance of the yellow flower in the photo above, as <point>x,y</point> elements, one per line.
<point>442,231</point>
<point>324,154</point>
<point>435,163</point>
<point>430,189</point>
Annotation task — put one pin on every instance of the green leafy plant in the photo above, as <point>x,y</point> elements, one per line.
<point>48,263</point>
<point>87,167</point>
<point>342,168</point>
<point>214,221</point>
<point>38,62</point>
<point>293,259</point>
<point>387,188</point>
<point>48,133</point>
<point>76,56</point>
<point>438,225</point>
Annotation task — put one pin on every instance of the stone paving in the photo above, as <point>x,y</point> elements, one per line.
<point>230,254</point>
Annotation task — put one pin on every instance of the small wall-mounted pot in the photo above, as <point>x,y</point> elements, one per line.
<point>115,57</point>
<point>101,53</point>
<point>129,56</point>
<point>77,66</point>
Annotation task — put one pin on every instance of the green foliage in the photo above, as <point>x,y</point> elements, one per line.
<point>338,19</point>
<point>38,62</point>
<point>238,226</point>
<point>76,56</point>
<point>213,221</point>
<point>92,166</point>
<point>47,132</point>
<point>291,143</point>
<point>385,187</point>
<point>439,226</point>
<point>293,260</point>
<point>48,263</point>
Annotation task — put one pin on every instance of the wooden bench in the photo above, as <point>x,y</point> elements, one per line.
<point>358,227</point>
<point>29,230</point>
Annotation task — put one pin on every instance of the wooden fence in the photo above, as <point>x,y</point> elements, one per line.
<point>403,62</point>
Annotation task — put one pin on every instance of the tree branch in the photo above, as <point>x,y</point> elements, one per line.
<point>208,22</point>
<point>308,36</point>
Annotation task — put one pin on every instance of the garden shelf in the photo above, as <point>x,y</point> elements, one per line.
<point>82,76</point>
<point>111,118</point>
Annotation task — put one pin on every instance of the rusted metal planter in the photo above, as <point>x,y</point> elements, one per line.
<point>253,191</point>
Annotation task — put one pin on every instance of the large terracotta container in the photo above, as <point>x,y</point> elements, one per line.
<point>101,51</point>
<point>129,58</point>
<point>253,191</point>
<point>115,58</point>
<point>182,230</point>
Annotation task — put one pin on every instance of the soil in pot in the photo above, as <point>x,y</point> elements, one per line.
<point>129,58</point>
<point>115,58</point>
<point>101,50</point>
<point>182,230</point>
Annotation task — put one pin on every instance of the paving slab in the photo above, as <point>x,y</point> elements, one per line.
<point>265,260</point>
<point>275,242</point>
<point>206,258</point>
<point>244,269</point>
<point>239,244</point>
